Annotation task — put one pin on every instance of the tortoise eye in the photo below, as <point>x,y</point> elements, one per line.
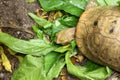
<point>95,23</point>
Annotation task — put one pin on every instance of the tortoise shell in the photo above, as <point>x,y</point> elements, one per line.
<point>98,35</point>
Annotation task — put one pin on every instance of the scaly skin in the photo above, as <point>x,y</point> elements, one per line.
<point>98,35</point>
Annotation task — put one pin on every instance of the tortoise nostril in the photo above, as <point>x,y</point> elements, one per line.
<point>95,23</point>
<point>111,30</point>
<point>114,22</point>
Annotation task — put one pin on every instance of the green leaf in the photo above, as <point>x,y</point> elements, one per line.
<point>54,62</point>
<point>50,59</point>
<point>108,2</point>
<point>73,44</point>
<point>48,31</point>
<point>74,7</point>
<point>62,49</point>
<point>32,47</point>
<point>56,68</point>
<point>29,0</point>
<point>42,22</point>
<point>101,2</point>
<point>70,21</point>
<point>31,68</point>
<point>90,71</point>
<point>112,2</point>
<point>40,68</point>
<point>39,33</point>
<point>119,3</point>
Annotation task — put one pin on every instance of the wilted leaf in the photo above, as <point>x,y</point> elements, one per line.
<point>5,61</point>
<point>54,15</point>
<point>41,13</point>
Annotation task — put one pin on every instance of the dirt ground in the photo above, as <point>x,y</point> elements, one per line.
<point>15,13</point>
<point>14,20</point>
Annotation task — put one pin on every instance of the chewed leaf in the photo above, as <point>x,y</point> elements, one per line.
<point>5,61</point>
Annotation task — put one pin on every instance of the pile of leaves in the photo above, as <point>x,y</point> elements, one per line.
<point>44,59</point>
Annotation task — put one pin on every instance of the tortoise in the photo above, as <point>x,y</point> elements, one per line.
<point>97,35</point>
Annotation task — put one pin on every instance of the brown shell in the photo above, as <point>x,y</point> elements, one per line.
<point>98,35</point>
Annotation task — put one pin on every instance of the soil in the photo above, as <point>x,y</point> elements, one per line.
<point>15,13</point>
<point>14,20</point>
<point>19,33</point>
